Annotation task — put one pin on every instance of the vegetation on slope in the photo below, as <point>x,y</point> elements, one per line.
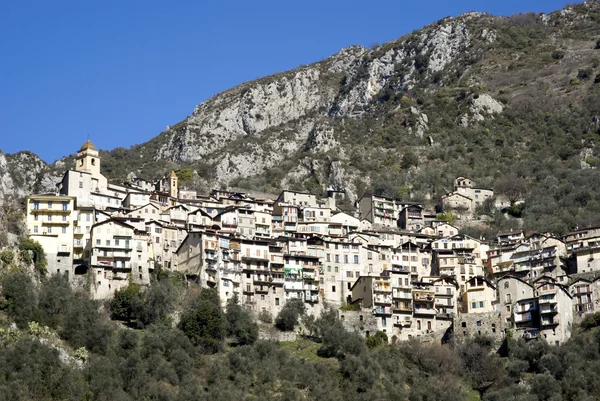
<point>66,347</point>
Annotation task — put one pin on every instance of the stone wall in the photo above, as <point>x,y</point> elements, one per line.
<point>473,324</point>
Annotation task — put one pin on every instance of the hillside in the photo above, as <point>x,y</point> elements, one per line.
<point>492,98</point>
<point>57,344</point>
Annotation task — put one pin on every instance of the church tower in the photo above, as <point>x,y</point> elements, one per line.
<point>173,190</point>
<point>87,159</point>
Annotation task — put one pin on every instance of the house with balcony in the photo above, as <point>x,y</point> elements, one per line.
<point>111,257</point>
<point>52,220</point>
<point>379,210</point>
<point>556,310</point>
<point>478,296</point>
<point>512,289</point>
<point>412,218</point>
<point>374,293</point>
<point>585,294</point>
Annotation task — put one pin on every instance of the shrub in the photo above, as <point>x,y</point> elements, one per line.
<point>558,54</point>
<point>39,257</point>
<point>376,340</point>
<point>7,257</point>
<point>204,323</point>
<point>590,321</point>
<point>19,297</point>
<point>265,317</point>
<point>290,313</point>
<point>239,323</point>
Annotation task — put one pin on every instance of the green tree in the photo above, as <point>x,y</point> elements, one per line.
<point>204,323</point>
<point>55,299</point>
<point>239,323</point>
<point>20,297</point>
<point>38,257</point>
<point>288,317</point>
<point>127,303</point>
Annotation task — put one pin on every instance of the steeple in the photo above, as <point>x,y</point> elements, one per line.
<point>87,159</point>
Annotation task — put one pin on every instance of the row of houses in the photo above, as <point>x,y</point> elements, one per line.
<point>393,262</point>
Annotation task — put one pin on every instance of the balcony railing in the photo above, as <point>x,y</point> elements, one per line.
<point>382,311</point>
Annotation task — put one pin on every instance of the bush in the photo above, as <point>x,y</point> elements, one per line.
<point>204,323</point>
<point>127,303</point>
<point>265,317</point>
<point>20,300</point>
<point>7,258</point>
<point>290,313</point>
<point>376,340</point>
<point>39,257</point>
<point>590,321</point>
<point>558,54</point>
<point>239,323</point>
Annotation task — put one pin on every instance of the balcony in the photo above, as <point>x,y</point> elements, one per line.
<point>403,308</point>
<point>382,286</point>
<point>522,317</point>
<point>403,323</point>
<point>311,287</point>
<point>261,289</point>
<point>380,299</point>
<point>56,223</point>
<point>549,309</point>
<point>311,298</point>
<point>444,315</point>
<point>102,261</point>
<point>382,311</point>
<point>122,265</point>
<point>424,311</point>
<point>402,294</point>
<point>423,297</point>
<point>550,322</point>
<point>547,300</point>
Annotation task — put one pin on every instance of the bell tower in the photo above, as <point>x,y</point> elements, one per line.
<point>87,159</point>
<point>173,185</point>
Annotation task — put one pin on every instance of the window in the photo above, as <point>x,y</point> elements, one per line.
<point>474,305</point>
<point>107,242</point>
<point>355,259</point>
<point>481,304</point>
<point>333,288</point>
<point>506,284</point>
<point>418,325</point>
<point>98,242</point>
<point>349,274</point>
<point>36,205</point>
<point>345,258</point>
<point>337,258</point>
<point>49,217</point>
<point>35,229</point>
<point>49,205</point>
<point>64,218</point>
<point>276,301</point>
<point>478,323</point>
<point>64,230</point>
<point>35,216</point>
<point>65,206</point>
<point>328,257</point>
<point>507,296</point>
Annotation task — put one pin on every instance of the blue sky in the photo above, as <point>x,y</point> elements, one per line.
<point>120,71</point>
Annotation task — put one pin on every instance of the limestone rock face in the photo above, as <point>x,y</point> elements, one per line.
<point>249,129</point>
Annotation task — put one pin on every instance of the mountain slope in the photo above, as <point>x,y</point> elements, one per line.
<point>477,95</point>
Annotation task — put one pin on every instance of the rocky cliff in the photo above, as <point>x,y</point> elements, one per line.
<point>476,95</point>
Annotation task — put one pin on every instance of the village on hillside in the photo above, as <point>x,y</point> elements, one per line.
<point>386,265</point>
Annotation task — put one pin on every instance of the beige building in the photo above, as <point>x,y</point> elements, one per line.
<point>479,296</point>
<point>51,221</point>
<point>111,257</point>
